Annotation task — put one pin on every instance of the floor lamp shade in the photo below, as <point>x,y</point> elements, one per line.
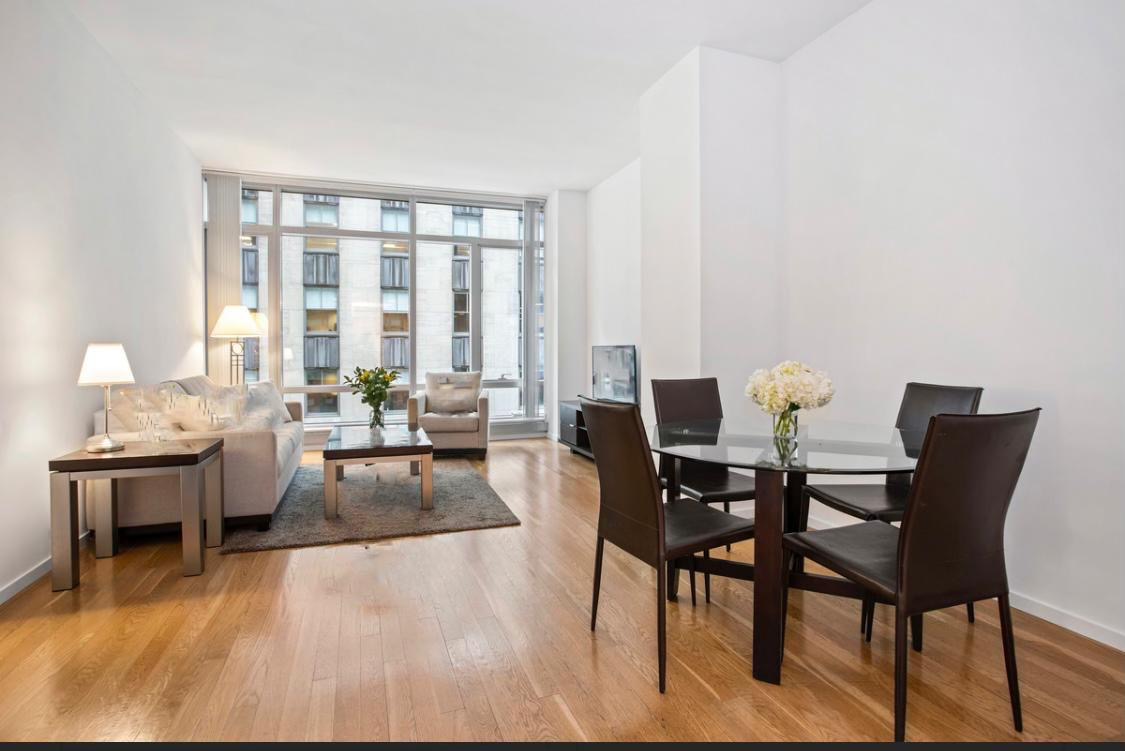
<point>237,323</point>
<point>105,365</point>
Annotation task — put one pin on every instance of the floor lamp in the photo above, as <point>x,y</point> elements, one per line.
<point>236,323</point>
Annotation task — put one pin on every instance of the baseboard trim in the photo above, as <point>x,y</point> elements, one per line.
<point>29,577</point>
<point>1099,632</point>
<point>1072,622</point>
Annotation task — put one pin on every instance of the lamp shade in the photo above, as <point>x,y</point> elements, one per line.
<point>105,364</point>
<point>235,322</point>
<point>262,323</point>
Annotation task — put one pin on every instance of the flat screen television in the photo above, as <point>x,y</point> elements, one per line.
<point>616,373</point>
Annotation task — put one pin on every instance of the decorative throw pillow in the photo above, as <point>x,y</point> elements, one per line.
<point>199,385</point>
<point>190,414</point>
<point>128,404</point>
<point>452,392</point>
<point>228,402</point>
<point>265,394</point>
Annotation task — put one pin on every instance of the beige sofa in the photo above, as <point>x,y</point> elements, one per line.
<point>453,410</point>
<point>258,466</point>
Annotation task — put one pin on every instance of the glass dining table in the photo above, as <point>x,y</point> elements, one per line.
<point>781,468</point>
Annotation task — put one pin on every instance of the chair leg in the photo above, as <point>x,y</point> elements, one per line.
<point>916,631</point>
<point>692,578</point>
<point>597,582</point>
<point>901,656</point>
<point>971,612</point>
<point>726,507</point>
<point>661,617</point>
<point>1010,661</point>
<point>706,580</point>
<point>802,526</point>
<point>866,616</point>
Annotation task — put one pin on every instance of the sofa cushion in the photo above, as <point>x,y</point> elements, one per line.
<point>452,392</point>
<point>461,422</point>
<point>289,439</point>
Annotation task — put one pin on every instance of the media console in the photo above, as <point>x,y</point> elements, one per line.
<point>572,429</point>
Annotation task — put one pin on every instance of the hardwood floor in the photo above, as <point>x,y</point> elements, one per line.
<point>485,636</point>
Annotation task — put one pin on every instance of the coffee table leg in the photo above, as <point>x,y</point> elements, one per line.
<point>330,489</point>
<point>64,532</point>
<point>415,468</point>
<point>427,481</point>
<point>339,472</point>
<point>105,510</point>
<point>216,510</point>
<point>191,514</point>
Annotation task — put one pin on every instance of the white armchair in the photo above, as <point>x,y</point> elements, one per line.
<point>453,410</point>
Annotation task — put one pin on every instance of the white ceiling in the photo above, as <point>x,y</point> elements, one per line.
<point>518,96</point>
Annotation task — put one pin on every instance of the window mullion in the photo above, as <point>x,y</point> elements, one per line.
<point>412,316</point>
<point>274,330</point>
<point>530,337</point>
<point>475,307</point>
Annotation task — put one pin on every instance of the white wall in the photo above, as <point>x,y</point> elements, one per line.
<point>670,198</point>
<point>710,221</point>
<point>564,301</point>
<point>101,240</point>
<point>955,213</point>
<point>740,167</point>
<point>613,259</point>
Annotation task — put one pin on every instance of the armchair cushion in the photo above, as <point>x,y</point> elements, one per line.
<point>460,422</point>
<point>452,392</point>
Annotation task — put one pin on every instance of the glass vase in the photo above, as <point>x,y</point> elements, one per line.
<point>376,420</point>
<point>785,425</point>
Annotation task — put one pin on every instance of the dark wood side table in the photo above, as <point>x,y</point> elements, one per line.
<point>188,459</point>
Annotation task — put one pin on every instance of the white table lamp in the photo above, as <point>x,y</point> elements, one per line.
<point>236,323</point>
<point>105,365</point>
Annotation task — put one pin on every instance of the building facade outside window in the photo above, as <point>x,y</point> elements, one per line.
<point>412,284</point>
<point>255,296</point>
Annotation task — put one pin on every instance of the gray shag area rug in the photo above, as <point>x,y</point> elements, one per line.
<point>371,509</point>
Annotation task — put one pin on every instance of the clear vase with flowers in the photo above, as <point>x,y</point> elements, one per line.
<point>373,386</point>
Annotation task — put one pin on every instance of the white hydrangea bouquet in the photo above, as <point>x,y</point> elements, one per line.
<point>790,386</point>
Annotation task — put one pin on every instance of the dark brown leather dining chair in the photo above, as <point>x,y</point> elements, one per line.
<point>887,502</point>
<point>689,399</point>
<point>950,549</point>
<point>632,514</point>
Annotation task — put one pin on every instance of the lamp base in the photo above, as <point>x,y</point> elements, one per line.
<point>104,445</point>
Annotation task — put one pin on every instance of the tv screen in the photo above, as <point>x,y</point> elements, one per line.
<point>615,373</point>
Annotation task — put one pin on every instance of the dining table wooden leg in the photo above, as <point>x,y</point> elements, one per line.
<point>769,573</point>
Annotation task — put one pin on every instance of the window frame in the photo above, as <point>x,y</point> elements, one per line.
<point>529,245</point>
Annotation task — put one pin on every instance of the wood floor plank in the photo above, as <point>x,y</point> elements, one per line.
<point>485,636</point>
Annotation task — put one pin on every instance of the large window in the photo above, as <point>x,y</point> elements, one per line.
<point>419,286</point>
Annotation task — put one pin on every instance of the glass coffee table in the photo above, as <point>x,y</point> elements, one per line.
<point>362,445</point>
